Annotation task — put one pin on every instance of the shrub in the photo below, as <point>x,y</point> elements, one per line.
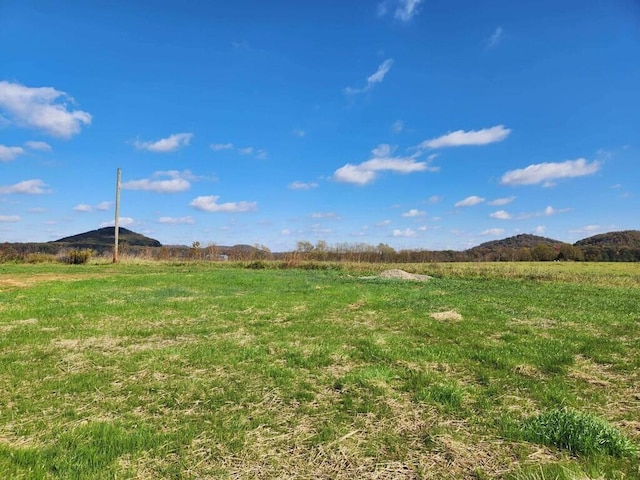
<point>76,257</point>
<point>39,258</point>
<point>577,432</point>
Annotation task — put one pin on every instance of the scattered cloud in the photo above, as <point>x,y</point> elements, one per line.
<point>9,218</point>
<point>383,223</point>
<point>208,203</point>
<point>493,232</point>
<point>397,126</point>
<point>27,187</point>
<point>83,207</point>
<point>545,173</point>
<point>407,232</point>
<point>40,146</point>
<point>332,215</point>
<point>539,230</point>
<point>460,138</point>
<point>178,182</point>
<point>240,45</point>
<point>298,132</point>
<point>590,229</point>
<point>42,108</point>
<point>286,232</point>
<point>373,79</point>
<point>169,144</point>
<point>495,38</point>
<point>245,151</point>
<point>404,11</point>
<point>177,220</point>
<point>262,154</point>
<point>10,153</point>
<point>434,199</point>
<point>501,215</point>
<point>414,212</point>
<point>122,222</point>
<point>470,201</point>
<point>366,172</point>
<point>501,201</point>
<point>217,147</point>
<point>302,185</point>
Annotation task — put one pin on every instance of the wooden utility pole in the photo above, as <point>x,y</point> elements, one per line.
<point>116,229</point>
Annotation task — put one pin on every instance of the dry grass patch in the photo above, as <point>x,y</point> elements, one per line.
<point>448,315</point>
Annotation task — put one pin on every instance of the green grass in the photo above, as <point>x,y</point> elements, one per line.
<point>194,370</point>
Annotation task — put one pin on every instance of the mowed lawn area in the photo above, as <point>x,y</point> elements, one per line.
<point>194,370</point>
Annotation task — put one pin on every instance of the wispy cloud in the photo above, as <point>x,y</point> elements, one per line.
<point>501,201</point>
<point>218,147</point>
<point>9,218</point>
<point>10,153</point>
<point>27,187</point>
<point>85,208</point>
<point>501,215</point>
<point>588,229</point>
<point>461,138</point>
<point>372,79</point>
<point>42,108</point>
<point>414,212</point>
<point>470,201</point>
<point>330,215</point>
<point>169,144</point>
<point>122,222</point>
<point>208,203</point>
<point>177,182</point>
<point>177,220</point>
<point>407,233</point>
<point>298,132</point>
<point>403,10</point>
<point>495,38</point>
<point>397,126</point>
<point>40,146</point>
<point>546,173</point>
<point>366,172</point>
<point>493,232</point>
<point>548,211</point>
<point>302,185</point>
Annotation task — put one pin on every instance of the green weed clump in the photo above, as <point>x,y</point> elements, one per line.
<point>580,433</point>
<point>76,257</point>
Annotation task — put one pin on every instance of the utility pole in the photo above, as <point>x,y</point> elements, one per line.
<point>116,227</point>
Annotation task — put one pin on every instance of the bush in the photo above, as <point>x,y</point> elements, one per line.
<point>577,432</point>
<point>76,257</point>
<point>39,258</point>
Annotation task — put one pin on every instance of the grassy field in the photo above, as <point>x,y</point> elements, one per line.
<point>514,371</point>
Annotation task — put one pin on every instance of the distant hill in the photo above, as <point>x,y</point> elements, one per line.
<point>623,239</point>
<point>524,240</point>
<point>105,237</point>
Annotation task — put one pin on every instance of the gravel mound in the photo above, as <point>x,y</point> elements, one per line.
<point>402,275</point>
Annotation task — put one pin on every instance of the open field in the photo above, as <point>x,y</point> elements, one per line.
<point>195,370</point>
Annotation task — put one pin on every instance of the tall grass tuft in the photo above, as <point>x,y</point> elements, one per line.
<point>76,257</point>
<point>580,433</point>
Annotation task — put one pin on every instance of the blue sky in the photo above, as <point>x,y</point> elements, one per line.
<point>435,124</point>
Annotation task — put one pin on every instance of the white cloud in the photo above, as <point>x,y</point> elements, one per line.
<point>10,153</point>
<point>208,203</point>
<point>43,108</point>
<point>414,212</point>
<point>383,223</point>
<point>547,172</point>
<point>325,215</point>
<point>366,172</point>
<point>404,233</point>
<point>407,9</point>
<point>493,232</point>
<point>590,229</point>
<point>302,185</point>
<point>177,220</point>
<point>246,151</point>
<point>285,232</point>
<point>262,154</point>
<point>103,206</point>
<point>169,144</point>
<point>501,201</point>
<point>397,126</point>
<point>41,146</point>
<point>9,218</point>
<point>373,79</point>
<point>298,132</point>
<point>473,137</point>
<point>540,230</point>
<point>495,38</point>
<point>27,187</point>
<point>434,199</point>
<point>179,182</point>
<point>217,147</point>
<point>122,222</point>
<point>83,207</point>
<point>470,201</point>
<point>501,215</point>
